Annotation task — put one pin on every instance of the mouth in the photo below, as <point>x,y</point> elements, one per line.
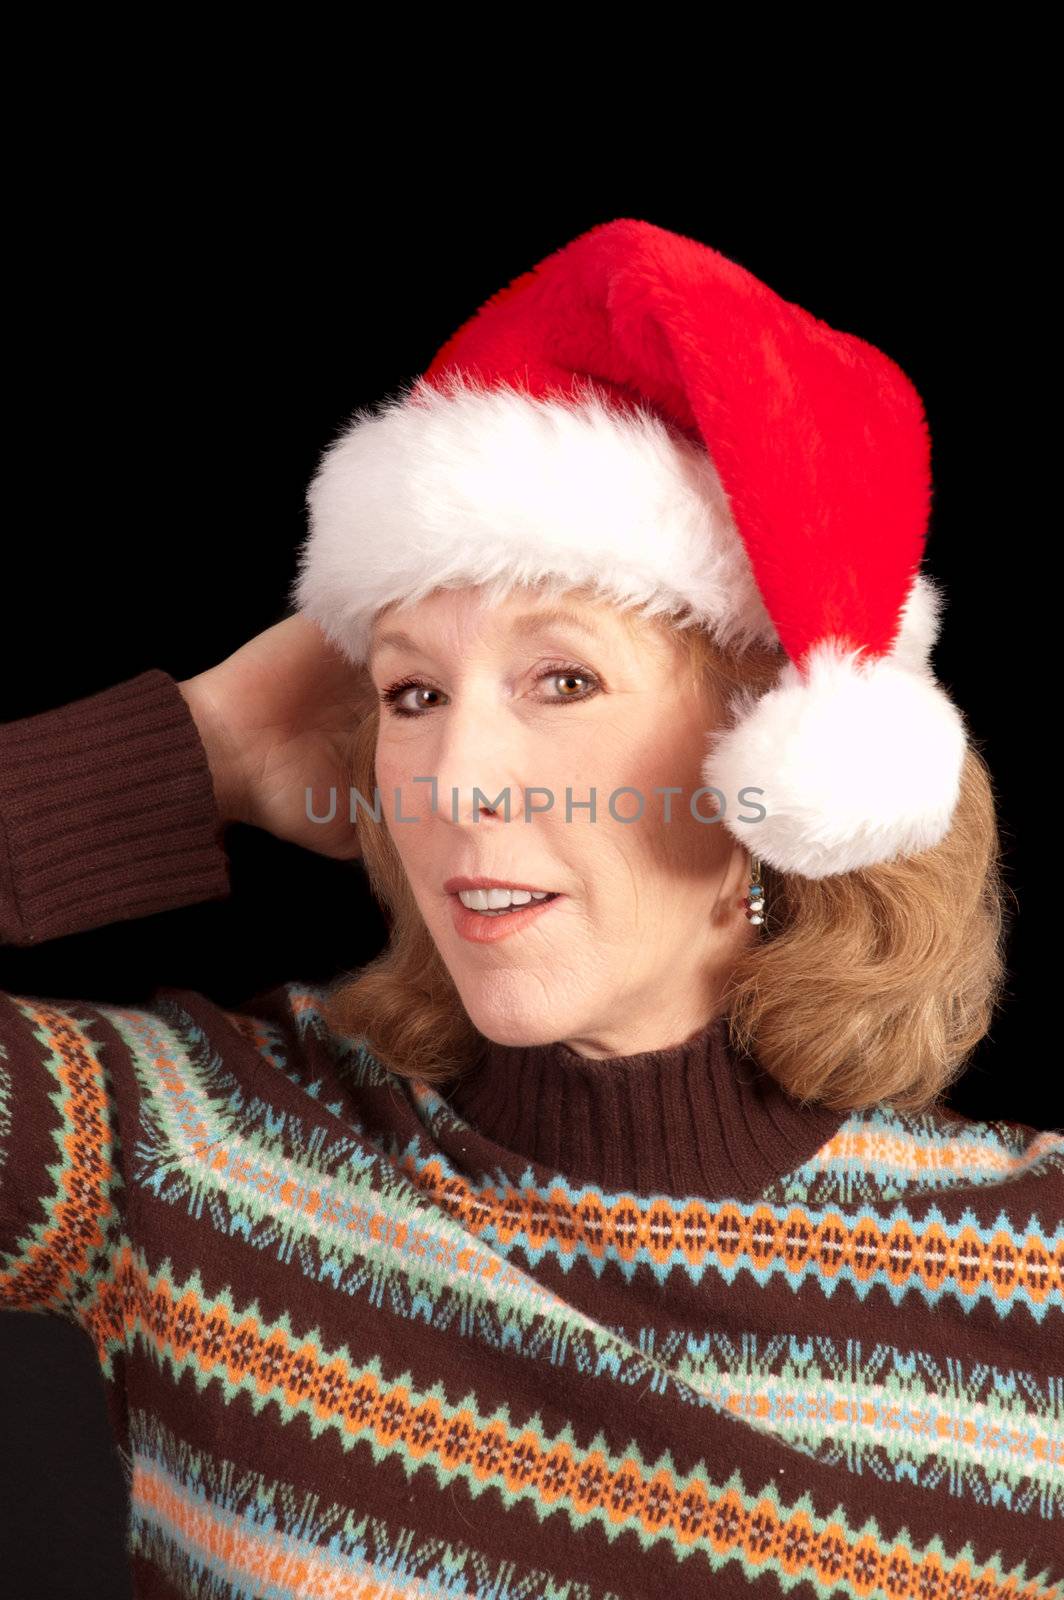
<point>461,885</point>
<point>492,923</point>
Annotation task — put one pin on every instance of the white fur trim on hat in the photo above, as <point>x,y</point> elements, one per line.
<point>921,619</point>
<point>499,488</point>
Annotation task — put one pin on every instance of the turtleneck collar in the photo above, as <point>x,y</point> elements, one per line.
<point>696,1118</point>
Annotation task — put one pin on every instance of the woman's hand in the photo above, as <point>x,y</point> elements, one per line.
<point>277,717</point>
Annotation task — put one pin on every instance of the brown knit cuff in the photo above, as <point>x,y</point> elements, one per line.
<point>107,812</point>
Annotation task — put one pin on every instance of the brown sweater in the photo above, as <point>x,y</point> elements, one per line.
<point>572,1328</point>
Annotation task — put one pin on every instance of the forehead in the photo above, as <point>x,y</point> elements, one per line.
<point>517,618</point>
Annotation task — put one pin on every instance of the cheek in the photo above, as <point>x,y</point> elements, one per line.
<point>667,846</point>
<point>400,801</point>
<point>395,769</point>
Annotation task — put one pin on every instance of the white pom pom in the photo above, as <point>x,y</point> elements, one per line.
<point>858,761</point>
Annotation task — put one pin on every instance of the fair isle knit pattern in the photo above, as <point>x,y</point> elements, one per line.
<point>359,1345</point>
<point>279,1255</point>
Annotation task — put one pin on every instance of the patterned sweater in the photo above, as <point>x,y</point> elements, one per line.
<point>562,1329</point>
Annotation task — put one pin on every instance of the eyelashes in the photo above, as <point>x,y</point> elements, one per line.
<point>390,697</point>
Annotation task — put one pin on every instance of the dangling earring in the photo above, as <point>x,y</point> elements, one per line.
<point>755,900</point>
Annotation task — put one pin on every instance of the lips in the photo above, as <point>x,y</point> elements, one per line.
<point>478,929</point>
<point>455,885</point>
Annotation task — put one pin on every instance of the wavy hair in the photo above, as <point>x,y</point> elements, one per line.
<point>868,987</point>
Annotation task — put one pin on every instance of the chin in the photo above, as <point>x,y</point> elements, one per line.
<point>504,1015</point>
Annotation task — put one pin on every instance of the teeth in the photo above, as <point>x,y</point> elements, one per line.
<point>498,899</point>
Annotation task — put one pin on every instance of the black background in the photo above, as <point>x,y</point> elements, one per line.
<point>189,324</point>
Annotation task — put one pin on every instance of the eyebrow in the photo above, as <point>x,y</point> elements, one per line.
<point>528,622</point>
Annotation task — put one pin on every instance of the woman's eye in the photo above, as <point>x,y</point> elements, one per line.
<point>393,698</point>
<point>569,673</point>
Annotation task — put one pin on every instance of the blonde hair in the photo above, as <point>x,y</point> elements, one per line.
<point>868,987</point>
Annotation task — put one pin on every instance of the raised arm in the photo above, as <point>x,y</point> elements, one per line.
<point>114,806</point>
<point>108,811</point>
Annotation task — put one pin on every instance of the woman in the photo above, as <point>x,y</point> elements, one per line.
<point>611,1240</point>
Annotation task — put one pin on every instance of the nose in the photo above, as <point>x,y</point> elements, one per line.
<point>480,748</point>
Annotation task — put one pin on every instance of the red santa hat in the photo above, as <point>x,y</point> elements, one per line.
<point>640,413</point>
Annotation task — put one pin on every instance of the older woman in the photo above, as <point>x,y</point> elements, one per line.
<point>606,1235</point>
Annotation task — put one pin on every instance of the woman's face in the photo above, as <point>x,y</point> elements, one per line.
<point>510,697</point>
